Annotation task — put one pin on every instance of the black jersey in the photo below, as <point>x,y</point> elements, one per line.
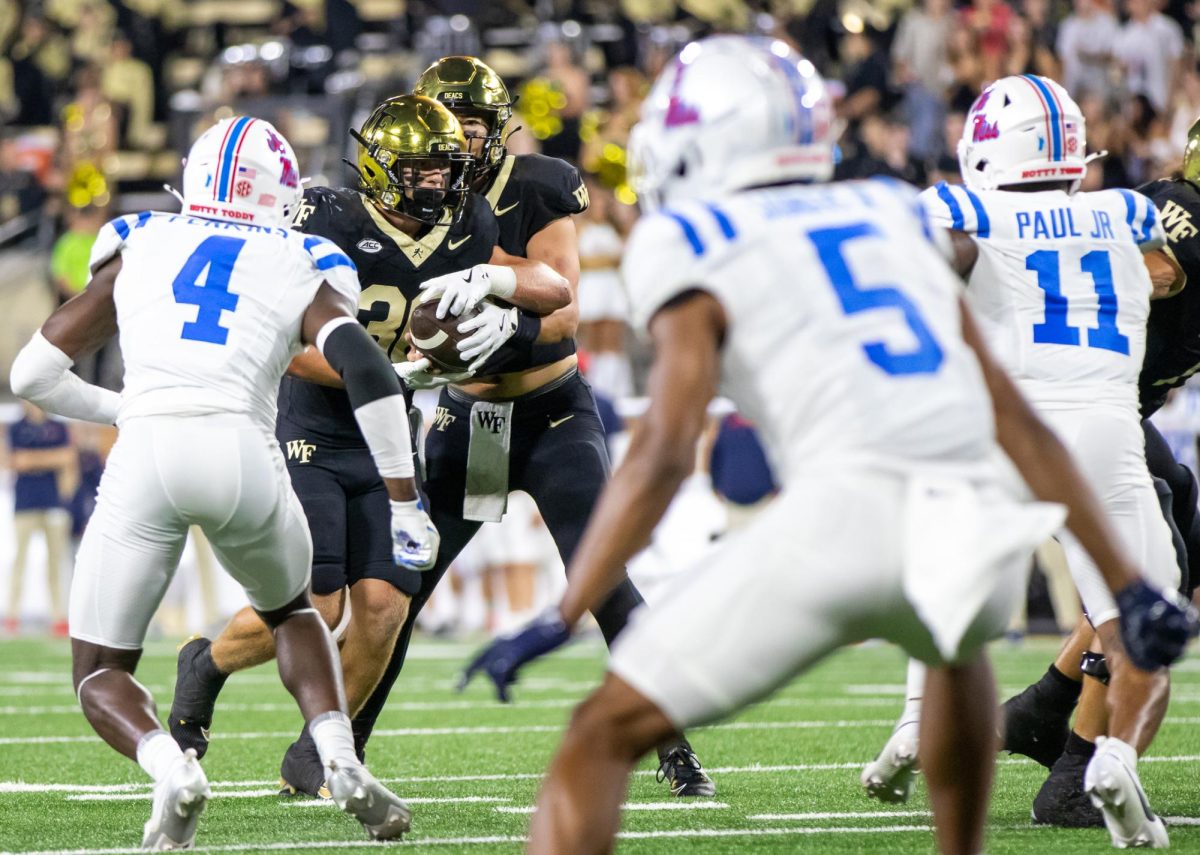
<point>529,192</point>
<point>1173,330</point>
<point>391,266</point>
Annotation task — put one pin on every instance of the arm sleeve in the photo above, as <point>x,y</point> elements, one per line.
<point>41,374</point>
<point>375,394</point>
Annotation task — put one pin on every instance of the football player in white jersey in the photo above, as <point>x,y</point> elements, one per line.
<point>210,305</point>
<point>1061,294</point>
<point>828,315</point>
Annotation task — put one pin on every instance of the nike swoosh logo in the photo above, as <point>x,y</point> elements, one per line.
<point>455,244</point>
<point>500,212</point>
<point>554,424</point>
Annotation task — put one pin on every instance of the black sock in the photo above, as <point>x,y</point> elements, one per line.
<point>1079,747</point>
<point>1058,691</point>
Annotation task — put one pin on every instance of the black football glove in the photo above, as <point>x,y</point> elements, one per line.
<point>501,659</point>
<point>1155,625</point>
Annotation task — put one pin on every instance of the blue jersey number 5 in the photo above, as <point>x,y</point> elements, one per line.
<point>927,357</point>
<point>218,254</point>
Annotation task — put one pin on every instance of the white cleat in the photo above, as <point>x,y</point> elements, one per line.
<point>382,813</point>
<point>179,799</point>
<point>890,776</point>
<point>1113,785</point>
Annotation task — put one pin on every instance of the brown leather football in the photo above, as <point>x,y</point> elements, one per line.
<point>438,338</point>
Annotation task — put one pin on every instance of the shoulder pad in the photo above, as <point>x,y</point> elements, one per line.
<point>1142,218</point>
<point>662,259</point>
<point>334,266</point>
<point>112,236</point>
<point>953,206</point>
<point>556,182</point>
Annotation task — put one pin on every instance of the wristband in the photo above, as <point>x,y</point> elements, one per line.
<point>529,326</point>
<point>502,279</point>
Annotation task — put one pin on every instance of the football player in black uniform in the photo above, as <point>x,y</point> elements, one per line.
<point>527,420</point>
<point>411,219</point>
<point>1037,721</point>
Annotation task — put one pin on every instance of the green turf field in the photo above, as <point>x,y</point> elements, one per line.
<point>786,771</point>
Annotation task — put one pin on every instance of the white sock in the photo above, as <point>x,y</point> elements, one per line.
<point>335,740</point>
<point>156,753</point>
<point>914,693</point>
<point>1124,750</point>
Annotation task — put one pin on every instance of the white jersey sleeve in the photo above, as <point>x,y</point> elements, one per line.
<point>1142,219</point>
<point>661,262</point>
<point>953,206</point>
<point>112,236</point>
<point>335,267</point>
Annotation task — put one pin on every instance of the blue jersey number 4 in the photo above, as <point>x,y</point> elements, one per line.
<point>927,356</point>
<point>217,254</point>
<point>1055,329</point>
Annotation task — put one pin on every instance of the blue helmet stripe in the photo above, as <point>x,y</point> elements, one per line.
<point>1056,131</point>
<point>225,170</point>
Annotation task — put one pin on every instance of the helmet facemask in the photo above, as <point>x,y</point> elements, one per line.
<point>414,160</point>
<point>402,184</point>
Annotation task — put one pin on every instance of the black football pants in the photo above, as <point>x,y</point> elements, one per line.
<point>557,455</point>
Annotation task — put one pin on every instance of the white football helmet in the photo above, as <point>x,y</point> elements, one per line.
<point>242,170</point>
<point>1021,130</point>
<point>731,112</point>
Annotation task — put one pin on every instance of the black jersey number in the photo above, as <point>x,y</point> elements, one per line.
<point>383,310</point>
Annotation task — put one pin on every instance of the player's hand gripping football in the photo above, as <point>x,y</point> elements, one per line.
<point>420,374</point>
<point>464,289</point>
<point>489,330</point>
<point>503,658</point>
<point>1155,625</point>
<point>414,539</point>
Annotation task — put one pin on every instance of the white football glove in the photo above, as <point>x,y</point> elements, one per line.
<point>492,327</point>
<point>419,375</point>
<point>414,539</point>
<point>464,289</point>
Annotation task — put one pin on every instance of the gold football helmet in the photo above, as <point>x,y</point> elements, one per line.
<point>413,159</point>
<point>469,87</point>
<point>1191,155</point>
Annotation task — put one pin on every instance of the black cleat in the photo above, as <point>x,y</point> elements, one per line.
<point>1035,728</point>
<point>679,766</point>
<point>301,772</point>
<point>197,686</point>
<point>1062,801</point>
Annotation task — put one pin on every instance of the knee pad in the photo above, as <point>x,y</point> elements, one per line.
<point>1095,666</point>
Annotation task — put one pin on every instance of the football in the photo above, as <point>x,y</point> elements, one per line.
<point>438,338</point>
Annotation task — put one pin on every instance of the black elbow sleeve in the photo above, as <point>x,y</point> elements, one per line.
<point>360,363</point>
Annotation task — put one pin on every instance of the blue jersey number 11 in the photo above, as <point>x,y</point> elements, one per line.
<point>218,254</point>
<point>1055,329</point>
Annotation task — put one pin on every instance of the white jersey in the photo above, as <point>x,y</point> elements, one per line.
<point>844,337</point>
<point>1060,289</point>
<point>209,312</point>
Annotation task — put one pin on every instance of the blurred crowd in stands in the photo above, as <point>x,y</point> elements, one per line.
<point>99,98</point>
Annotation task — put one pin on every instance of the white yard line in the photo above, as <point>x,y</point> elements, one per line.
<point>493,730</point>
<point>854,814</point>
<point>475,841</point>
<point>25,787</point>
<point>676,805</point>
<point>418,800</point>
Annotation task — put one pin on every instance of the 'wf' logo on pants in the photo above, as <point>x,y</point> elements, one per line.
<point>492,421</point>
<point>298,449</point>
